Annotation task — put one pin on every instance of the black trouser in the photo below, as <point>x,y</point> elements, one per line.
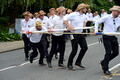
<point>57,41</point>
<point>45,43</point>
<point>35,47</point>
<point>111,49</point>
<point>78,39</point>
<point>26,45</point>
<point>88,25</point>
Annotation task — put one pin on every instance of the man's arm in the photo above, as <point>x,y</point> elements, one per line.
<point>68,26</point>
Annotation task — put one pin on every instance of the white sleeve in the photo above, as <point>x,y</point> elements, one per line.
<point>50,24</point>
<point>68,17</point>
<point>101,20</point>
<point>44,28</point>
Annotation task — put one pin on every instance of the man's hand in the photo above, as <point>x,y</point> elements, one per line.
<point>27,32</point>
<point>50,30</point>
<point>95,32</point>
<point>22,31</point>
<point>72,29</point>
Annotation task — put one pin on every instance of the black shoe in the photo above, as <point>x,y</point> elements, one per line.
<point>49,65</point>
<point>31,60</point>
<point>56,56</point>
<point>42,64</point>
<point>61,66</point>
<point>108,73</point>
<point>101,66</point>
<point>80,66</point>
<point>70,67</point>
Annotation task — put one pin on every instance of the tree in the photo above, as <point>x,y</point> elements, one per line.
<point>13,7</point>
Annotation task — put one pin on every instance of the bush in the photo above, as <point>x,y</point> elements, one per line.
<point>5,36</point>
<point>4,20</point>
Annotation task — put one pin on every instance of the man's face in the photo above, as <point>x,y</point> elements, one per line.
<point>52,12</point>
<point>64,12</point>
<point>84,10</point>
<point>36,15</point>
<point>41,17</point>
<point>115,13</point>
<point>89,11</point>
<point>27,17</point>
<point>39,27</point>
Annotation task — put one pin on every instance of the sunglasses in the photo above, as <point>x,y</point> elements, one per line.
<point>114,21</point>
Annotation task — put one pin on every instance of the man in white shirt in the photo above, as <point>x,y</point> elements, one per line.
<point>77,19</point>
<point>47,24</point>
<point>52,13</point>
<point>37,42</point>
<point>58,39</point>
<point>26,24</point>
<point>103,13</point>
<point>35,16</point>
<point>89,19</point>
<point>111,23</point>
<point>51,18</point>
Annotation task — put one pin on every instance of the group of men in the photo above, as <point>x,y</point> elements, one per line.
<point>58,19</point>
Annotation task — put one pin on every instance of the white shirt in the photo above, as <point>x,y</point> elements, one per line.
<point>27,25</point>
<point>95,18</point>
<point>110,24</point>
<point>46,22</point>
<point>76,20</point>
<point>89,16</point>
<point>98,16</point>
<point>35,37</point>
<point>58,24</point>
<point>103,14</point>
<point>35,19</point>
<point>51,18</point>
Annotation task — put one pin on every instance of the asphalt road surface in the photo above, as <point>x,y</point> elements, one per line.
<point>13,66</point>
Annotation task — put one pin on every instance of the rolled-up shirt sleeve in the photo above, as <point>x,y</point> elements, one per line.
<point>101,20</point>
<point>68,17</point>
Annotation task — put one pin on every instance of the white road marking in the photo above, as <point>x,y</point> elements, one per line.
<point>33,61</point>
<point>114,67</point>
<point>16,66</point>
<point>93,44</point>
<point>7,68</point>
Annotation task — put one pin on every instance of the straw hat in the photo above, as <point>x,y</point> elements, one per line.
<point>81,6</point>
<point>27,13</point>
<point>115,8</point>
<point>31,15</point>
<point>36,13</point>
<point>38,23</point>
<point>52,9</point>
<point>102,10</point>
<point>89,10</point>
<point>61,9</point>
<point>96,12</point>
<point>57,9</point>
<point>69,11</point>
<point>41,12</point>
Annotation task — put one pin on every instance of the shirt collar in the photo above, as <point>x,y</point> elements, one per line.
<point>112,16</point>
<point>78,13</point>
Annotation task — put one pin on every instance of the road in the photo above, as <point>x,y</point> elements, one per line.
<point>13,66</point>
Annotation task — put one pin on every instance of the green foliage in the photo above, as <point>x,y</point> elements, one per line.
<point>4,20</point>
<point>5,36</point>
<point>97,5</point>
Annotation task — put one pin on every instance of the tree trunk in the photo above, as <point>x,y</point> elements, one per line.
<point>13,14</point>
